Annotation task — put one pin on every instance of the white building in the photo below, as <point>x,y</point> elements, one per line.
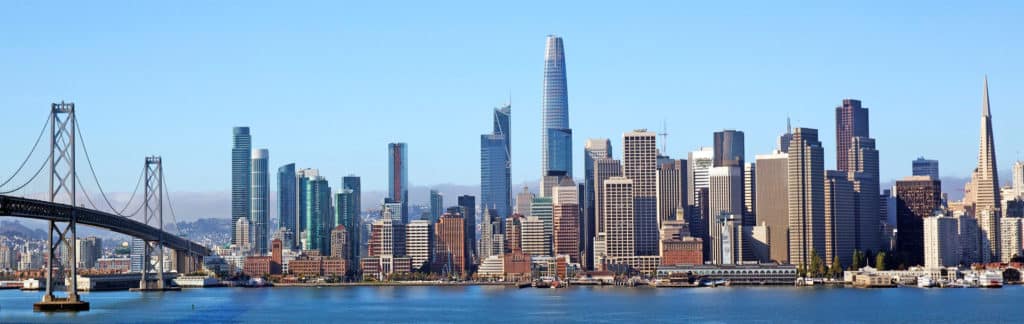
<point>532,237</point>
<point>242,230</point>
<point>1011,238</point>
<point>617,204</point>
<point>492,267</point>
<point>941,242</point>
<point>725,199</point>
<point>417,243</point>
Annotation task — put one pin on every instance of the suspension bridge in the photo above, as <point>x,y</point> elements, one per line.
<point>58,203</point>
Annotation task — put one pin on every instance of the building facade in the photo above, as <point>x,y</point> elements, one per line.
<point>806,169</point>
<point>917,197</point>
<point>556,136</point>
<point>260,201</point>
<point>241,176</point>
<point>772,201</point>
<point>639,158</point>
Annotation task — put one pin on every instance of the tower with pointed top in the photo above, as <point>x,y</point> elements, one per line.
<point>986,183</point>
<point>556,136</point>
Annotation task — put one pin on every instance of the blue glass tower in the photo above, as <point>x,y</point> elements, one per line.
<point>317,206</point>
<point>288,202</point>
<point>354,184</point>
<point>495,166</point>
<point>556,136</point>
<point>241,178</point>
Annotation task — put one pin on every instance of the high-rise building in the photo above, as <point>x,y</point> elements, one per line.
<point>260,201</point>
<point>1018,178</point>
<point>241,175</point>
<point>640,153</point>
<point>243,233</point>
<point>851,121</point>
<point>604,169</point>
<point>917,197</point>
<point>496,165</point>
<point>970,238</point>
<point>1010,234</point>
<point>700,163</point>
<point>671,190</point>
<point>489,227</point>
<point>450,251</point>
<point>398,176</point>
<point>137,253</point>
<point>317,209</point>
<point>725,203</point>
<point>351,184</point>
<point>345,214</point>
<point>806,168</point>
<point>985,182</point>
<point>862,172</point>
<point>593,150</point>
<point>387,239</point>
<point>514,232</point>
<point>339,242</point>
<point>467,204</point>
<point>523,200</point>
<point>566,212</point>
<point>925,167</point>
<point>840,218</point>
<point>542,209</point>
<point>749,194</point>
<point>288,203</point>
<point>618,211</point>
<point>556,136</point>
<point>436,205</point>
<point>772,202</point>
<point>941,242</point>
<point>393,210</point>
<point>87,251</point>
<point>785,138</point>
<point>418,241</point>
<point>729,148</point>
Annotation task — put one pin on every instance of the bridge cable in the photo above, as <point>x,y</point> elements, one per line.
<point>134,192</point>
<point>30,153</point>
<point>30,179</point>
<point>86,194</point>
<point>174,218</point>
<point>81,139</point>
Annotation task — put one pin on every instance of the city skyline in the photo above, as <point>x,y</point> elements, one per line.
<point>953,96</point>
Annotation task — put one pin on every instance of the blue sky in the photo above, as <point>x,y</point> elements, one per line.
<point>328,84</point>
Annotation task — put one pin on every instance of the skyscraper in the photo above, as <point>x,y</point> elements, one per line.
<point>565,215</point>
<point>772,201</point>
<point>450,255</point>
<point>749,194</point>
<point>851,121</point>
<point>917,197</point>
<point>398,176</point>
<point>1018,178</point>
<point>604,169</point>
<point>671,190</point>
<point>523,200</point>
<point>617,205</point>
<point>806,196</point>
<point>436,205</point>
<point>345,214</point>
<point>353,183</point>
<point>862,171</point>
<point>840,219</point>
<point>640,154</point>
<point>725,203</point>
<point>986,180</point>
<point>925,167</point>
<point>941,242</point>
<point>496,165</point>
<point>467,204</point>
<point>241,176</point>
<point>288,203</point>
<point>418,241</point>
<point>786,137</point>
<point>728,148</point>
<point>700,163</point>
<point>260,200</point>
<point>542,209</point>
<point>556,136</point>
<point>594,149</point>
<point>316,207</point>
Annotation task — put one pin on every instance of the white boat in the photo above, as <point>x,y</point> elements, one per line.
<point>925,282</point>
<point>991,279</point>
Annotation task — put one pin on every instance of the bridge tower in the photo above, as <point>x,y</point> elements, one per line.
<point>153,212</point>
<point>63,185</point>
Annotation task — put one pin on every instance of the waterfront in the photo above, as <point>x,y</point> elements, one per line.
<point>499,304</point>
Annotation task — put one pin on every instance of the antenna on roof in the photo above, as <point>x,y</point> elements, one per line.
<point>664,137</point>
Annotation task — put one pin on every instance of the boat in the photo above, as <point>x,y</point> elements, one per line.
<point>925,282</point>
<point>991,279</point>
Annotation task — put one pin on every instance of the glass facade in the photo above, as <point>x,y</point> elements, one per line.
<point>260,200</point>
<point>398,175</point>
<point>495,166</point>
<point>556,152</point>
<point>241,176</point>
<point>287,201</point>
<point>317,207</point>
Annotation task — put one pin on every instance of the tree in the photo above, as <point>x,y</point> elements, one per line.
<point>801,271</point>
<point>817,266</point>
<point>880,263</point>
<point>836,270</point>
<point>858,260</point>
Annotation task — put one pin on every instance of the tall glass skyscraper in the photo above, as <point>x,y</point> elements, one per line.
<point>355,236</point>
<point>260,200</point>
<point>287,202</point>
<point>496,166</point>
<point>241,176</point>
<point>398,174</point>
<point>556,136</point>
<point>317,206</point>
<point>346,214</point>
<point>436,206</point>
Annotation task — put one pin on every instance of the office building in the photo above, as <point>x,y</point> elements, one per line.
<point>566,224</point>
<point>496,165</point>
<point>725,201</point>
<point>514,233</point>
<point>260,201</point>
<point>851,121</point>
<point>243,234</point>
<point>728,148</point>
<point>639,164</point>
<point>700,163</point>
<point>772,201</point>
<point>594,149</point>
<point>467,204</point>
<point>398,176</point>
<point>785,138</point>
<point>241,175</point>
<point>556,136</point>
<point>450,256</point>
<point>339,242</point>
<point>1010,234</point>
<point>604,169</point>
<point>345,214</point>
<point>523,201</point>
<point>317,210</point>
<point>618,211</point>
<point>862,172</point>
<point>532,238</point>
<point>917,197</point>
<point>436,205</point>
<point>87,251</point>
<point>749,194</point>
<point>1018,178</point>
<point>925,167</point>
<point>671,190</point>
<point>542,209</point>
<point>840,219</point>
<point>352,185</point>
<point>985,184</point>
<point>288,203</point>
<point>418,241</point>
<point>806,168</point>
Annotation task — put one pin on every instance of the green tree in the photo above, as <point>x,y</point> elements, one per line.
<point>817,266</point>
<point>836,270</point>
<point>880,261</point>
<point>858,260</point>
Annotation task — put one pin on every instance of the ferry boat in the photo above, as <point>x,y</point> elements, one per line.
<point>991,279</point>
<point>925,282</point>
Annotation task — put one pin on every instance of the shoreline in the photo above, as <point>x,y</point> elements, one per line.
<point>392,284</point>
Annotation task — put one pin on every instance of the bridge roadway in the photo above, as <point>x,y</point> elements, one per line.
<point>37,209</point>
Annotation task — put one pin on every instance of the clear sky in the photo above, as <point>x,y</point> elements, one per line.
<point>328,85</point>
